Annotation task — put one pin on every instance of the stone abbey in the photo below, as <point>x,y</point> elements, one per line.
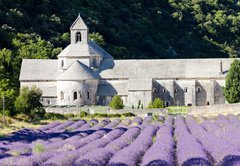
<point>85,74</point>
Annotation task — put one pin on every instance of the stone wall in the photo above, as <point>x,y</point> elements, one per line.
<point>215,110</point>
<point>103,110</point>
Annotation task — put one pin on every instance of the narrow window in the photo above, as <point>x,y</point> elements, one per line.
<point>154,90</point>
<point>186,90</point>
<point>62,95</point>
<point>49,102</point>
<point>62,63</point>
<point>78,37</point>
<point>88,95</point>
<point>74,95</point>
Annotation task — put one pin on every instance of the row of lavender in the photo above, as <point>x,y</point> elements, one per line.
<point>63,139</point>
<point>174,141</point>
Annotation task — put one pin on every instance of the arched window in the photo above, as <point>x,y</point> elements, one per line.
<point>74,95</point>
<point>199,89</point>
<point>62,95</point>
<point>164,90</point>
<point>78,37</point>
<point>166,103</point>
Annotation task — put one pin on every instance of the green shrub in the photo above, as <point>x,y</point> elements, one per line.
<point>116,103</point>
<point>28,102</point>
<point>83,114</point>
<point>157,103</point>
<point>38,148</point>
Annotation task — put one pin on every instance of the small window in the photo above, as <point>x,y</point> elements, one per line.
<point>78,37</point>
<point>88,95</point>
<point>164,90</point>
<point>154,90</point>
<point>74,95</point>
<point>185,89</point>
<point>175,90</point>
<point>62,95</point>
<point>48,102</point>
<point>208,103</point>
<point>199,89</point>
<point>80,95</point>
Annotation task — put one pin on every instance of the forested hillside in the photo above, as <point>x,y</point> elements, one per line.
<point>125,28</point>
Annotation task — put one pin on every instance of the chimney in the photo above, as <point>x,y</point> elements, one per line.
<point>221,67</point>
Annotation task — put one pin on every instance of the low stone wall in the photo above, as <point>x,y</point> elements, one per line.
<point>104,110</point>
<point>215,109</point>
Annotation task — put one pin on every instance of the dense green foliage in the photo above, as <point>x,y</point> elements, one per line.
<point>136,29</point>
<point>157,103</point>
<point>28,102</point>
<point>116,103</point>
<point>232,86</point>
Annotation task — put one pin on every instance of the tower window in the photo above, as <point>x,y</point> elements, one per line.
<point>78,37</point>
<point>74,95</point>
<point>62,95</point>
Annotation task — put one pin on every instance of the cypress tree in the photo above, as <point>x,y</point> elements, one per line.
<point>232,86</point>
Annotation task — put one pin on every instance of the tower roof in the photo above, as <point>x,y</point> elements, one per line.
<point>77,72</point>
<point>78,24</point>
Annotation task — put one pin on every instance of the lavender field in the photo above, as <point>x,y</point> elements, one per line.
<point>169,141</point>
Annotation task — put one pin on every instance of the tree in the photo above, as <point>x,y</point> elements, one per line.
<point>116,103</point>
<point>28,102</point>
<point>97,38</point>
<point>232,86</point>
<point>157,103</point>
<point>32,46</point>
<point>9,94</point>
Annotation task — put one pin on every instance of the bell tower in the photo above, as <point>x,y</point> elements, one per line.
<point>79,32</point>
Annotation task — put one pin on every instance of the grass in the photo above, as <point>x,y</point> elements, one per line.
<point>174,110</point>
<point>16,125</point>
